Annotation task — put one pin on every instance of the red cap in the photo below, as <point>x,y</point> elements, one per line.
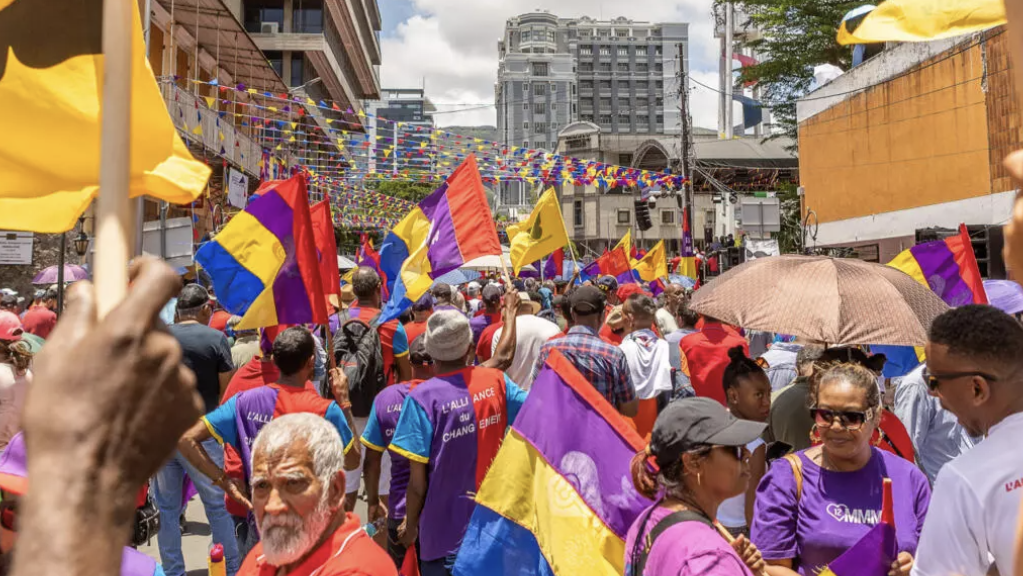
<point>10,326</point>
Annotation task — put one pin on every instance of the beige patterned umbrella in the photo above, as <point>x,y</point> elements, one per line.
<point>831,300</point>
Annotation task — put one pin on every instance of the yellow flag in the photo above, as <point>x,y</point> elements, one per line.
<point>626,244</point>
<point>919,20</point>
<point>654,265</point>
<point>687,267</point>
<point>50,113</point>
<point>541,234</point>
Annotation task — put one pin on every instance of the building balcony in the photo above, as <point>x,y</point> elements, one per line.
<point>217,133</point>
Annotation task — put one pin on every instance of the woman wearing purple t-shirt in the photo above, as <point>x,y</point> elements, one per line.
<point>699,449</point>
<point>801,526</point>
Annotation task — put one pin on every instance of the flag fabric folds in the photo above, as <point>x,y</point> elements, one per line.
<point>263,263</point>
<point>555,265</point>
<point>560,485</point>
<point>687,265</point>
<point>654,264</point>
<point>326,252</point>
<point>541,234</point>
<point>367,256</point>
<point>51,71</point>
<point>948,267</point>
<point>873,554</point>
<point>920,20</point>
<point>450,227</point>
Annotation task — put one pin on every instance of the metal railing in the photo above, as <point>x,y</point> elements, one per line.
<point>217,133</point>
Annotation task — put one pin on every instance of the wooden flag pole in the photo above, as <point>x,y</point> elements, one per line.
<point>113,209</point>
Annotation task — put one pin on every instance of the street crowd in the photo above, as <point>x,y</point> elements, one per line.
<point>765,453</point>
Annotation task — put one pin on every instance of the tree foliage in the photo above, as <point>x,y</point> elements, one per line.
<point>412,191</point>
<point>790,238</point>
<point>795,36</point>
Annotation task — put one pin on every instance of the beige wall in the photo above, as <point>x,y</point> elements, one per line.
<point>917,140</point>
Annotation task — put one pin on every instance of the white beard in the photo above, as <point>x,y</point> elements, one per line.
<point>287,538</point>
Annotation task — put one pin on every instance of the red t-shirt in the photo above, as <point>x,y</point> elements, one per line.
<point>360,555</point>
<point>414,330</point>
<point>483,348</point>
<point>706,353</point>
<point>39,320</point>
<point>608,335</point>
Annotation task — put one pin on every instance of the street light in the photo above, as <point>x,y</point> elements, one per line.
<point>82,242</point>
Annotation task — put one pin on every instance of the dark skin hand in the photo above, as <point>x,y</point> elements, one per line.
<point>505,352</point>
<point>125,399</point>
<point>408,530</point>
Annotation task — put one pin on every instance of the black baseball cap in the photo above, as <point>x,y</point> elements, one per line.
<point>587,300</point>
<point>608,283</point>
<point>492,293</point>
<point>691,423</point>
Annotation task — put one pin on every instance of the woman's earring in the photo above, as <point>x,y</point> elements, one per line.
<point>815,435</point>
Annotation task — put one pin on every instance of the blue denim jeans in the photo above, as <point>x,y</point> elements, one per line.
<point>169,485</point>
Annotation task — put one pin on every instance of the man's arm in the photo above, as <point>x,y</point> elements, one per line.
<point>219,424</point>
<point>404,368</point>
<point>340,414</point>
<point>114,432</point>
<point>415,497</point>
<point>504,353</point>
<point>225,365</point>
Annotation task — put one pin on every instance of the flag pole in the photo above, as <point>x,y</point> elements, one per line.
<point>113,213</point>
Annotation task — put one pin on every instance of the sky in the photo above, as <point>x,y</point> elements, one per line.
<point>451,47</point>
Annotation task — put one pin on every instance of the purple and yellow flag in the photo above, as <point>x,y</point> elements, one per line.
<point>264,264</point>
<point>948,267</point>
<point>558,499</point>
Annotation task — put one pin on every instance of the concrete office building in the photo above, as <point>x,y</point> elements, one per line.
<point>617,74</point>
<point>403,119</point>
<point>330,49</point>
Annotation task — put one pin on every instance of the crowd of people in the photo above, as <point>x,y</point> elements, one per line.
<point>765,454</point>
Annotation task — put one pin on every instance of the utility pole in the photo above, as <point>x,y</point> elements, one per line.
<point>729,80</point>
<point>685,204</point>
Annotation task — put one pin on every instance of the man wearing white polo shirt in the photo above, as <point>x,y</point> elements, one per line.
<point>975,368</point>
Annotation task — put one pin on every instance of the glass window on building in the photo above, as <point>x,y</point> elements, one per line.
<point>258,12</point>
<point>623,120</point>
<point>525,125</point>
<point>554,106</point>
<point>297,69</point>
<point>658,67</point>
<point>625,159</point>
<point>554,88</point>
<point>540,69</point>
<point>308,17</point>
<point>667,216</point>
<point>539,127</point>
<point>539,89</point>
<point>620,33</point>
<point>605,67</point>
<point>658,50</point>
<point>605,119</point>
<point>623,51</point>
<point>551,37</point>
<point>605,84</point>
<point>624,216</point>
<point>525,35</point>
<point>539,108</point>
<point>642,67</point>
<point>577,213</point>
<point>605,103</point>
<point>605,50</point>
<point>276,60</point>
<point>660,118</point>
<point>659,84</point>
<point>586,50</point>
<point>623,67</point>
<point>586,84</point>
<point>642,85</point>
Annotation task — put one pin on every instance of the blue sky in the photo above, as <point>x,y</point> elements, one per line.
<point>451,45</point>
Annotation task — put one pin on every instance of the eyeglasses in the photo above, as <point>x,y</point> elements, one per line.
<point>735,451</point>
<point>847,419</point>
<point>934,380</point>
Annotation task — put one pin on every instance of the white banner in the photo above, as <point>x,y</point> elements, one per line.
<point>237,188</point>
<point>16,247</point>
<point>761,249</point>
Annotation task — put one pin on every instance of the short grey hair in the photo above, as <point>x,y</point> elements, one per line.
<point>321,439</point>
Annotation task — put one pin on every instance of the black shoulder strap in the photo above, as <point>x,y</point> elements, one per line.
<point>645,542</point>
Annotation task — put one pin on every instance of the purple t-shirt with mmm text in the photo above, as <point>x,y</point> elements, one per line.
<point>836,509</point>
<point>685,549</point>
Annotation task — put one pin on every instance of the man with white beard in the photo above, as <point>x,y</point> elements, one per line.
<point>298,489</point>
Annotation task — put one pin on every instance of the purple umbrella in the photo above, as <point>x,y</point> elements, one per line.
<point>72,273</point>
<point>1005,295</point>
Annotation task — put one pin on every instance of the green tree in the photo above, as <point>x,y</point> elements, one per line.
<point>412,191</point>
<point>790,238</point>
<point>795,36</point>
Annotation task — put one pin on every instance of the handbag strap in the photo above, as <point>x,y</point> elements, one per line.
<point>644,543</point>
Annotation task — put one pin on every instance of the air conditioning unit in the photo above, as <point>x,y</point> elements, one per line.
<point>269,27</point>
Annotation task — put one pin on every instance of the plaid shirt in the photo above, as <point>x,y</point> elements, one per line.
<point>602,364</point>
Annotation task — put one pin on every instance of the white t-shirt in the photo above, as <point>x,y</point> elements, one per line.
<point>13,388</point>
<point>971,520</point>
<point>531,332</point>
<point>649,363</point>
<point>732,512</point>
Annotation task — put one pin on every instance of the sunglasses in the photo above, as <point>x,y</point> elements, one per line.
<point>934,380</point>
<point>847,419</point>
<point>735,451</point>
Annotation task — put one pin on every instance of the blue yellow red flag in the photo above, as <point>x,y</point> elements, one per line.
<point>919,20</point>
<point>264,264</point>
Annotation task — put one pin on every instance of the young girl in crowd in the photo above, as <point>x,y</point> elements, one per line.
<point>748,393</point>
<point>699,451</point>
<point>815,504</point>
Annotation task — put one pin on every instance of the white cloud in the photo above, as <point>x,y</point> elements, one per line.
<point>452,45</point>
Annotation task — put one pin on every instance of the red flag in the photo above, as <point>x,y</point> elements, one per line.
<point>614,262</point>
<point>410,566</point>
<point>326,251</point>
